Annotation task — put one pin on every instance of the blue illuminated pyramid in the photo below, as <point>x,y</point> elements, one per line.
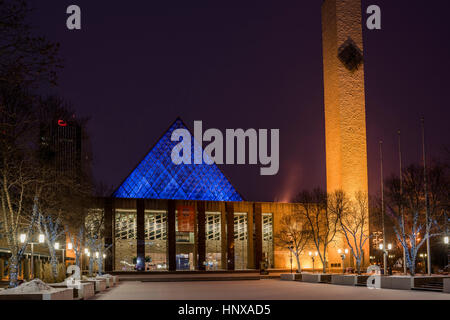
<point>157,177</point>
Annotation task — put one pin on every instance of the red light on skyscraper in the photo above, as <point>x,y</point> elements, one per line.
<point>62,123</point>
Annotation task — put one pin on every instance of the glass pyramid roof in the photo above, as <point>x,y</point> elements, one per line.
<point>157,177</point>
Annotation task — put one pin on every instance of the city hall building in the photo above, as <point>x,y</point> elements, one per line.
<point>187,217</point>
<point>190,217</point>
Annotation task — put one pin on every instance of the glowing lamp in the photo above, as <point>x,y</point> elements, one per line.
<point>96,254</point>
<point>389,246</point>
<point>446,240</point>
<point>339,251</point>
<point>104,256</point>
<point>23,237</point>
<point>86,250</point>
<point>381,246</point>
<point>88,254</point>
<point>69,246</point>
<point>41,238</point>
<point>310,253</point>
<point>346,251</point>
<point>316,253</point>
<point>57,245</point>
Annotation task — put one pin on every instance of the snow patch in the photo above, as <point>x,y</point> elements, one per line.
<point>34,286</point>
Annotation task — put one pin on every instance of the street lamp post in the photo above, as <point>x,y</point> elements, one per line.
<point>446,243</point>
<point>62,250</point>
<point>389,248</point>
<point>69,247</point>
<point>382,207</point>
<point>381,247</point>
<point>343,253</point>
<point>427,203</point>
<point>41,239</point>
<point>401,197</point>
<point>424,257</point>
<point>391,256</point>
<point>385,251</point>
<point>313,258</point>
<point>88,255</point>
<point>291,247</point>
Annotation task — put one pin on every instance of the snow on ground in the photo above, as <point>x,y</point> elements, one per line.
<point>257,290</point>
<point>34,286</point>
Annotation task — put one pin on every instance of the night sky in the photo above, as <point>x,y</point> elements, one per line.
<point>137,65</point>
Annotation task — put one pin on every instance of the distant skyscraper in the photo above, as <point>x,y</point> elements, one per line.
<point>61,141</point>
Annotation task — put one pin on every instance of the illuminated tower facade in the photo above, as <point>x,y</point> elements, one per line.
<point>345,111</point>
<point>345,116</point>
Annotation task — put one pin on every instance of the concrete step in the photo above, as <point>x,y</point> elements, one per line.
<point>430,286</point>
<point>186,279</point>
<point>434,289</point>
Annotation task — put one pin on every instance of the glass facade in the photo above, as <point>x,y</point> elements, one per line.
<point>155,240</point>
<point>157,177</point>
<point>185,247</point>
<point>125,240</point>
<point>240,241</point>
<point>213,231</point>
<point>267,237</point>
<point>186,253</point>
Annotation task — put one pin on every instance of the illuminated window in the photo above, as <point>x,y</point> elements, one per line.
<point>156,226</point>
<point>125,225</point>
<point>213,226</point>
<point>267,230</point>
<point>213,241</point>
<point>125,246</point>
<point>155,240</point>
<point>240,241</point>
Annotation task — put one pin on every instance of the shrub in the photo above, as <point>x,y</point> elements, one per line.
<point>47,275</point>
<point>61,272</point>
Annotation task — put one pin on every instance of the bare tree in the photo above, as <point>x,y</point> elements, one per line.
<point>102,251</point>
<point>94,236</point>
<point>52,229</point>
<point>411,231</point>
<point>25,59</point>
<point>19,185</point>
<point>294,234</point>
<point>77,243</point>
<point>25,62</point>
<point>353,221</point>
<point>321,222</point>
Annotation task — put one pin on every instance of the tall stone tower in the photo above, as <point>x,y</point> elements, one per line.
<point>345,110</point>
<point>345,116</point>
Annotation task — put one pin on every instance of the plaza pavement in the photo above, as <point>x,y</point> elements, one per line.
<point>270,289</point>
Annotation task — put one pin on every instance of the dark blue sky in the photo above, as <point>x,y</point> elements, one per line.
<point>137,65</point>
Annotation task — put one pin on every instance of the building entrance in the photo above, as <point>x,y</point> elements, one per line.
<point>184,261</point>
